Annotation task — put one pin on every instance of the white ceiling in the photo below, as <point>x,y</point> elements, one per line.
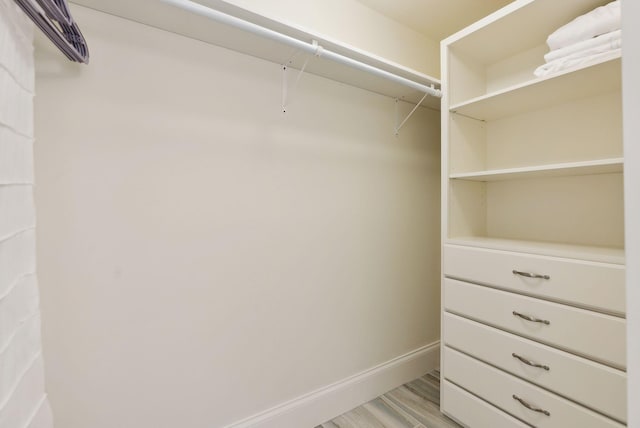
<point>436,19</point>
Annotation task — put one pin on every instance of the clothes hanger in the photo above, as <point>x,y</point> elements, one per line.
<point>56,10</point>
<point>55,21</point>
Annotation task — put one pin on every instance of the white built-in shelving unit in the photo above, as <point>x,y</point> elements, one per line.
<point>532,199</point>
<point>511,138</point>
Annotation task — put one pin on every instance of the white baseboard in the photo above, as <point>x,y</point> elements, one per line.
<point>316,407</point>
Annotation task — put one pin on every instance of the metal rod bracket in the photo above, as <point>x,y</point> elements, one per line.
<point>285,84</point>
<point>397,128</point>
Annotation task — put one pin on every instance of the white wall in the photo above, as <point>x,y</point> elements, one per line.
<point>23,402</point>
<point>355,24</point>
<point>631,99</point>
<point>203,256</point>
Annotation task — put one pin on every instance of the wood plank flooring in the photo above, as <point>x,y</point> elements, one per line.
<point>413,405</point>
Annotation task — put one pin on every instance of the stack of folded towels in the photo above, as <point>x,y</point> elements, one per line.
<point>589,38</point>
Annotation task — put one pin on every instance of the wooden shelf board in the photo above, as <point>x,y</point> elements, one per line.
<point>568,85</point>
<point>161,15</point>
<point>580,252</point>
<point>603,166</point>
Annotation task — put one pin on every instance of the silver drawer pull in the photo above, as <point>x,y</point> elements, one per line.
<point>529,363</point>
<point>529,406</point>
<point>528,318</point>
<point>530,275</point>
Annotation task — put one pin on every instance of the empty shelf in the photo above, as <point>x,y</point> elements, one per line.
<point>603,166</point>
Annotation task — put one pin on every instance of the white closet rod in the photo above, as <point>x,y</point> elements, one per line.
<point>312,48</point>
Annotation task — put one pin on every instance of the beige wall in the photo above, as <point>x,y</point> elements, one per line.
<point>357,25</point>
<point>204,256</point>
<point>631,84</point>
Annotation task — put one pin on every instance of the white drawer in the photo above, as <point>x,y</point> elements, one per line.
<point>501,389</point>
<point>473,412</point>
<point>591,334</point>
<point>584,283</point>
<point>597,386</point>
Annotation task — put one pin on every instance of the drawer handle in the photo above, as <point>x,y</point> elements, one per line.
<point>530,275</point>
<point>529,406</point>
<point>530,363</point>
<point>528,318</point>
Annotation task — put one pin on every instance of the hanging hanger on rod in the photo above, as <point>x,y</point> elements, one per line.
<point>54,19</point>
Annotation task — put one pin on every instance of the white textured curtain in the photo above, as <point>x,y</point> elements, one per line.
<point>23,402</point>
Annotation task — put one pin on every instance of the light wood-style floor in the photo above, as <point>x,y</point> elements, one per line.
<point>413,405</point>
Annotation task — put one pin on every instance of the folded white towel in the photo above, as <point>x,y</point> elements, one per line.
<point>575,60</point>
<point>604,42</point>
<point>601,20</point>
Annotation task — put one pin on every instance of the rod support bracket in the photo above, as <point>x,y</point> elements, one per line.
<point>397,128</point>
<point>319,50</point>
<point>285,84</point>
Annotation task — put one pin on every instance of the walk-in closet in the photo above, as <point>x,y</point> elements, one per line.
<point>319,214</point>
